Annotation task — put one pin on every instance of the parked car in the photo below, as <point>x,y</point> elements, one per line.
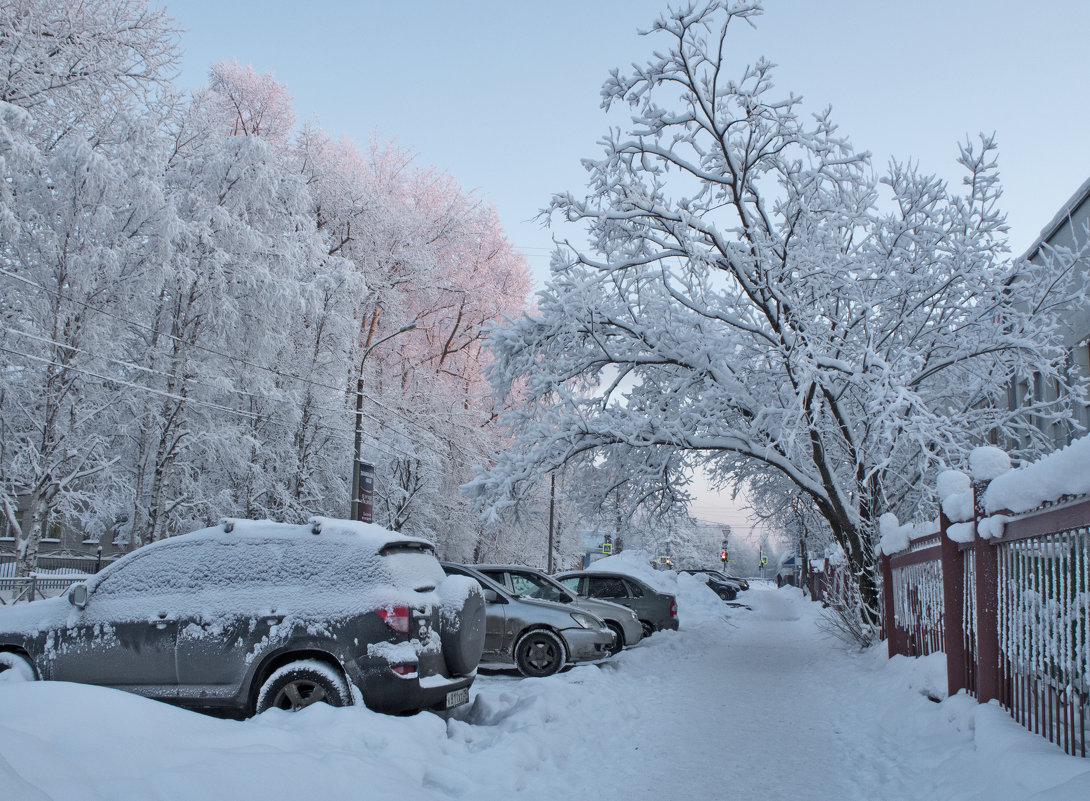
<point>537,637</point>
<point>251,615</point>
<point>656,610</point>
<point>720,583</point>
<point>526,582</point>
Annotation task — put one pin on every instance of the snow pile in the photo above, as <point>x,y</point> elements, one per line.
<point>894,535</point>
<point>961,532</point>
<point>1063,472</point>
<point>988,463</point>
<point>992,527</point>
<point>955,490</point>
<point>697,602</point>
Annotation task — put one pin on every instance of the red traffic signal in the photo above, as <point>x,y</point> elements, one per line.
<point>723,555</point>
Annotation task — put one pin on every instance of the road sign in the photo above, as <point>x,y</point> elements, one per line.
<point>607,547</point>
<point>365,508</point>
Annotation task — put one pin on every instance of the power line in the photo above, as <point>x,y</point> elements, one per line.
<point>229,357</point>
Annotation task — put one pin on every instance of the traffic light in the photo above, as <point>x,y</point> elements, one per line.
<point>723,556</point>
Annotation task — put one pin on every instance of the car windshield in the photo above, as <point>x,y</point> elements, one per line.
<point>534,586</point>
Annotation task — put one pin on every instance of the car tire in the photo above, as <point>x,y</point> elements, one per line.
<point>618,638</point>
<point>15,668</point>
<point>648,629</point>
<point>730,595</point>
<point>462,635</point>
<point>297,685</point>
<point>540,653</point>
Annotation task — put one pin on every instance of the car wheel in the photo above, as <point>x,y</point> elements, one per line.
<point>648,629</point>
<point>297,685</point>
<point>618,638</point>
<point>539,653</point>
<point>729,595</point>
<point>14,667</point>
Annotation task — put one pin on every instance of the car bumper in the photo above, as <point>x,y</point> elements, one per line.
<point>393,694</point>
<point>587,645</point>
<point>633,631</point>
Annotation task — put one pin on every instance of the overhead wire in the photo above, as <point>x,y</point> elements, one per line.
<point>203,348</point>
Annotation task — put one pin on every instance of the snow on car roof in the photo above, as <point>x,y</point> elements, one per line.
<point>363,533</point>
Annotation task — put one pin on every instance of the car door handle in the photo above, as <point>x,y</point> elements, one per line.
<point>162,621</point>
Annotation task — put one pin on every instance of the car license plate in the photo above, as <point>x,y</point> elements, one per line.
<point>457,697</point>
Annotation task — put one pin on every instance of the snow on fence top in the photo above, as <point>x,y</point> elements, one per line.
<point>1060,473</point>
<point>896,538</point>
<point>956,491</point>
<point>988,463</point>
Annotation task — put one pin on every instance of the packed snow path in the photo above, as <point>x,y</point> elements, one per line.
<point>741,703</point>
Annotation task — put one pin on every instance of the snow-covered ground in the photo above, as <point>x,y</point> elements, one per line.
<point>741,703</point>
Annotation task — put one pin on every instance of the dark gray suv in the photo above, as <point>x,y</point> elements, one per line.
<point>251,615</point>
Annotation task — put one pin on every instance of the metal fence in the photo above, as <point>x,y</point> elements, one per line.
<point>917,593</point>
<point>1012,615</point>
<point>35,587</point>
<point>1044,617</point>
<point>55,574</point>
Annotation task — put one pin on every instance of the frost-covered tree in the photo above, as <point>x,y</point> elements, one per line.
<point>755,301</point>
<point>82,220</point>
<point>191,290</point>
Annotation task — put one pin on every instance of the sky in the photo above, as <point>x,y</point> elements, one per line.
<point>505,96</point>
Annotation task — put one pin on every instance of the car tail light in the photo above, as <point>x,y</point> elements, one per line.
<point>396,617</point>
<point>673,608</point>
<point>403,670</point>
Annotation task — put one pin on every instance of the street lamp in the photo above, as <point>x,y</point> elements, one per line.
<point>355,509</point>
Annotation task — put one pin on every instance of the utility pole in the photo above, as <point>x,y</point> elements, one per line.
<point>356,461</point>
<point>552,510</point>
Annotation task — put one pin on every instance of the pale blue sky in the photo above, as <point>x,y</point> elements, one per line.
<point>505,95</point>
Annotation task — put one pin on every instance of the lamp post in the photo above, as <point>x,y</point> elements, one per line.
<point>357,451</point>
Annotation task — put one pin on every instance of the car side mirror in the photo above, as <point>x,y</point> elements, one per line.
<point>490,596</point>
<point>77,596</point>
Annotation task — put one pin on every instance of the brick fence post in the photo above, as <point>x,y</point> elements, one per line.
<point>988,677</point>
<point>953,606</point>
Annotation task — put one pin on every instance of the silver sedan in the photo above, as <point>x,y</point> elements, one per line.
<point>537,637</point>
<point>527,582</point>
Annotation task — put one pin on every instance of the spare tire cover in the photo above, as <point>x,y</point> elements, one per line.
<point>461,623</point>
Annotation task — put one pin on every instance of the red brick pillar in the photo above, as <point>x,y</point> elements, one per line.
<point>953,606</point>
<point>988,676</point>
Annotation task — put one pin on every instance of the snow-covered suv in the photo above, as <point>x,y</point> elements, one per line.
<point>250,615</point>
